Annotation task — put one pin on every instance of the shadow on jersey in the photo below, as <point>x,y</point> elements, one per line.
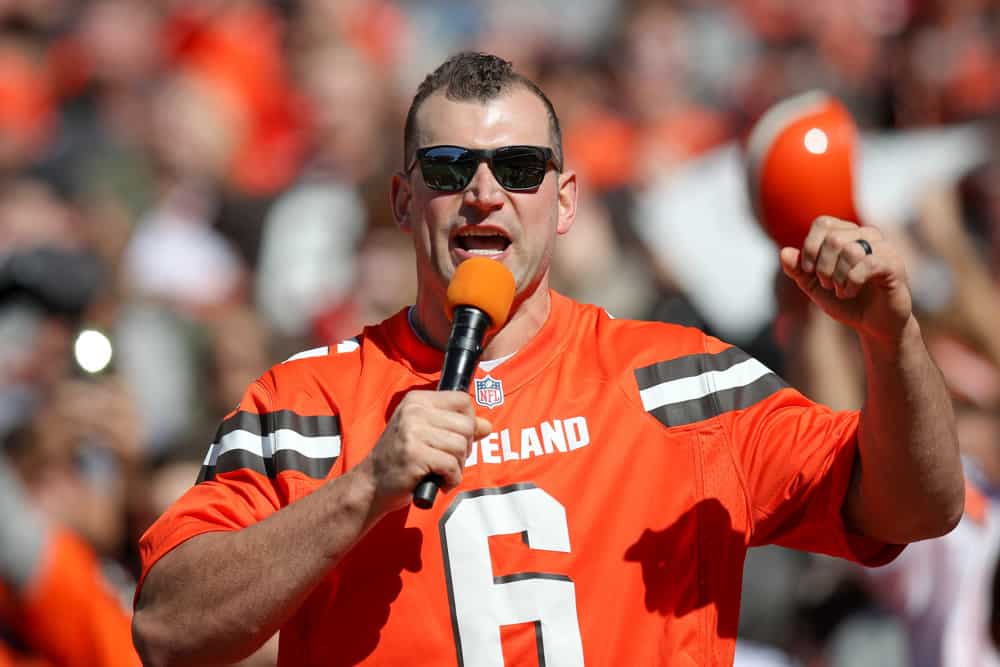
<point>685,565</point>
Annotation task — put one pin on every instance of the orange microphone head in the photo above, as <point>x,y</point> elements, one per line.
<point>485,284</point>
<point>800,165</point>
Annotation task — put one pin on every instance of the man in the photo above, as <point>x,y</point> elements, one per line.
<point>600,494</point>
<point>55,606</point>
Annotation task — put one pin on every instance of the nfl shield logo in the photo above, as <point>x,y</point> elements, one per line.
<point>489,392</point>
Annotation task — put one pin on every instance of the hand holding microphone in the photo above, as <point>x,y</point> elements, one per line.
<point>479,299</point>
<point>430,430</point>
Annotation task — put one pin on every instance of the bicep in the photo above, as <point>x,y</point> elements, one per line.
<point>163,576</point>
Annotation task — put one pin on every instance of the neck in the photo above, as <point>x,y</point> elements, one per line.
<point>527,316</point>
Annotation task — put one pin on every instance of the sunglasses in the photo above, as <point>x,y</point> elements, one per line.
<point>516,168</point>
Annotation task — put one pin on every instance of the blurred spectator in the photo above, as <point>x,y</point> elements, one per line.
<point>373,28</point>
<point>27,114</point>
<point>347,99</point>
<point>658,83</point>
<point>599,137</point>
<point>238,348</point>
<point>71,445</point>
<point>101,73</point>
<point>55,608</point>
<point>320,225</point>
<point>32,214</point>
<point>176,257</point>
<point>48,279</point>
<point>952,254</point>
<point>384,283</point>
<point>593,266</point>
<point>948,66</point>
<point>236,48</point>
<point>76,456</point>
<point>321,219</point>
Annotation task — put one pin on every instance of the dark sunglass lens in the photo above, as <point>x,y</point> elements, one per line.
<point>446,168</point>
<point>519,168</point>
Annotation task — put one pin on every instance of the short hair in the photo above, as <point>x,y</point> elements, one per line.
<point>475,76</point>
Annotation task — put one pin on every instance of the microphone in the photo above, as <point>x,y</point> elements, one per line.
<point>479,299</point>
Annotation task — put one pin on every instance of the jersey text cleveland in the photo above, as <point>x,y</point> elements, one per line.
<point>549,437</point>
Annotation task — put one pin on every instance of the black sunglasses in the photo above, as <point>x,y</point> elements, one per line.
<point>516,168</point>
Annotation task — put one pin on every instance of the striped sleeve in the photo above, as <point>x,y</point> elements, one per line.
<point>241,482</point>
<point>697,387</point>
<point>274,442</point>
<point>794,458</point>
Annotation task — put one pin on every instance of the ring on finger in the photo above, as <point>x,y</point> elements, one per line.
<point>865,245</point>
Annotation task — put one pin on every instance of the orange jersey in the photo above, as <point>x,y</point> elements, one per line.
<point>67,615</point>
<point>604,522</point>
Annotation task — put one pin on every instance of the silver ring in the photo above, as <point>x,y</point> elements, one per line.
<point>865,245</point>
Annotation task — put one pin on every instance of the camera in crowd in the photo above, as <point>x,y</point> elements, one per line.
<point>51,282</point>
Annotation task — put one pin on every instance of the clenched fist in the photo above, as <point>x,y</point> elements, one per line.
<point>854,275</point>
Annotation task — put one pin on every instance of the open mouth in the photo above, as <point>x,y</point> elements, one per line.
<point>477,241</point>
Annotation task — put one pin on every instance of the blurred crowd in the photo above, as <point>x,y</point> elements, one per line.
<point>204,183</point>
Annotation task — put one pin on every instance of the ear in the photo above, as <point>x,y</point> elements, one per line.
<point>401,195</point>
<point>567,201</point>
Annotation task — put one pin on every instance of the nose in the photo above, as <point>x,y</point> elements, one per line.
<point>483,191</point>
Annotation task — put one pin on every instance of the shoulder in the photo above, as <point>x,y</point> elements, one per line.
<point>678,373</point>
<point>324,352</point>
<point>307,363</point>
<point>332,369</point>
<point>623,345</point>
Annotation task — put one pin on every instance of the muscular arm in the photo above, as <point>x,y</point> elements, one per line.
<point>908,482</point>
<point>219,596</point>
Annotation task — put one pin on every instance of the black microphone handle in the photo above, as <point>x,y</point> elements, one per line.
<point>465,345</point>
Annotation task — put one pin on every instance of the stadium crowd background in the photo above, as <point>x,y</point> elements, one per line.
<point>205,182</point>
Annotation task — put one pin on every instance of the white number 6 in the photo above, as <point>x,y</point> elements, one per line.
<point>481,602</point>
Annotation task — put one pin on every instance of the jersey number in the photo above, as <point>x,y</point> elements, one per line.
<point>482,602</point>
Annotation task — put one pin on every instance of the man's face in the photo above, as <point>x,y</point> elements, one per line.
<point>515,228</point>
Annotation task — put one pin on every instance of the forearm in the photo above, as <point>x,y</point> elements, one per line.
<point>219,596</point>
<point>908,483</point>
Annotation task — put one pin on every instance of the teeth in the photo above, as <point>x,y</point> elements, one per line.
<point>479,232</point>
<point>485,242</point>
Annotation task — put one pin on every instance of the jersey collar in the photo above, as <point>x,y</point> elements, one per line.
<point>546,345</point>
